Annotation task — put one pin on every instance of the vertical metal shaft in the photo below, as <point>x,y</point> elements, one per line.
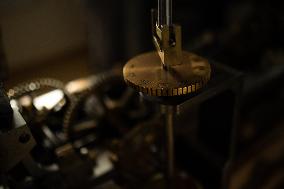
<point>170,145</point>
<point>160,19</point>
<point>169,13</point>
<point>164,12</point>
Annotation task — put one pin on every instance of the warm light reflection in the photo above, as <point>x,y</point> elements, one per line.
<point>48,100</point>
<point>79,85</point>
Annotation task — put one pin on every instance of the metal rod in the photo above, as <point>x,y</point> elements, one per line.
<point>164,12</point>
<point>160,12</point>
<point>169,12</point>
<point>170,145</point>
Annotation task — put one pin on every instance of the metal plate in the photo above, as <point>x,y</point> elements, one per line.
<point>15,145</point>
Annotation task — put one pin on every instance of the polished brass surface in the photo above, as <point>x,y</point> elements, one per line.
<point>146,74</point>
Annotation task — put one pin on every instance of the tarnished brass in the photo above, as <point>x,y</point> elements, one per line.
<point>145,74</point>
<point>167,41</point>
<point>169,71</point>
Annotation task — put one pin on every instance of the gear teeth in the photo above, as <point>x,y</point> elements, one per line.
<point>169,92</point>
<point>34,85</point>
<point>144,74</point>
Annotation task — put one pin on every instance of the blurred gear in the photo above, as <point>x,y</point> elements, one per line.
<point>108,109</point>
<point>34,85</point>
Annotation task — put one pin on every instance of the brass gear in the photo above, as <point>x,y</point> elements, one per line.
<point>145,74</point>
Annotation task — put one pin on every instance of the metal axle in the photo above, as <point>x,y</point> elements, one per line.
<point>164,12</point>
<point>170,154</point>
